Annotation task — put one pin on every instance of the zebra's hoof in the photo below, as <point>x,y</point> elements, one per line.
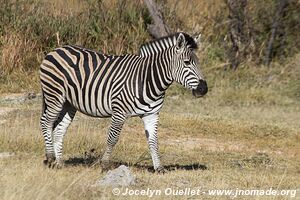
<point>56,165</point>
<point>161,170</point>
<point>49,160</point>
<point>105,165</point>
<point>45,162</point>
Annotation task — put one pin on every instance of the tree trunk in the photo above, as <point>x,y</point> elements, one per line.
<point>237,17</point>
<point>158,28</point>
<point>282,4</point>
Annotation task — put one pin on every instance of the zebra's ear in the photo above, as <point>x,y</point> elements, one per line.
<point>197,38</point>
<point>180,42</point>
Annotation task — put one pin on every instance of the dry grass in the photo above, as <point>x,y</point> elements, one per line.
<point>247,147</point>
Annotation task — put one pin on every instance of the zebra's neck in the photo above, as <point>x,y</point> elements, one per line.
<point>157,46</point>
<point>157,73</point>
<point>158,55</point>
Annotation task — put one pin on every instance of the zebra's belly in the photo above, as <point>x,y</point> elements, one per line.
<point>96,112</point>
<point>96,108</point>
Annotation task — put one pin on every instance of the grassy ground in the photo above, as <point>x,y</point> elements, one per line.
<point>229,147</point>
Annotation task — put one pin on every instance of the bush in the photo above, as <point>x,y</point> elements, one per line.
<point>30,29</point>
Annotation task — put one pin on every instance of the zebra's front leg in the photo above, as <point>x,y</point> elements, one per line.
<point>116,125</point>
<point>150,124</point>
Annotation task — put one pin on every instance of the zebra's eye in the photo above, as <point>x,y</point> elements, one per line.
<point>187,62</point>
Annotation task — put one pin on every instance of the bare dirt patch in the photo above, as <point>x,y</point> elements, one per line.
<point>215,145</point>
<point>6,154</point>
<point>209,144</point>
<point>14,98</point>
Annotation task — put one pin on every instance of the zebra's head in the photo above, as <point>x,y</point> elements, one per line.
<point>185,65</point>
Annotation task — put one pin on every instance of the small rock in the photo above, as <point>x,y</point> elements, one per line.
<point>174,97</point>
<point>120,176</point>
<point>6,154</point>
<point>30,96</point>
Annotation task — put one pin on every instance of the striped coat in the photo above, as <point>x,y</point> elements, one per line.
<point>78,79</point>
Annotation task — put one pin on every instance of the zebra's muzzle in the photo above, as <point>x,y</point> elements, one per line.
<point>201,89</point>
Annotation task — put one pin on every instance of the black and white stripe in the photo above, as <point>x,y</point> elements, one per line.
<point>78,79</point>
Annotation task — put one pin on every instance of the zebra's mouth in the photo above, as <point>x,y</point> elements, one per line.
<point>197,94</point>
<point>201,89</point>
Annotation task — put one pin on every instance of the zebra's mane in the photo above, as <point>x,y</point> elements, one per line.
<point>166,42</point>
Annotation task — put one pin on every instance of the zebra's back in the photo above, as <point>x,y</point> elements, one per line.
<point>83,77</point>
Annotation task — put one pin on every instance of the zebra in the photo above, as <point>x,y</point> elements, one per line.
<point>75,79</point>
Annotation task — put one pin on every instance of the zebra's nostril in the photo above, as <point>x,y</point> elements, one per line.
<point>201,88</point>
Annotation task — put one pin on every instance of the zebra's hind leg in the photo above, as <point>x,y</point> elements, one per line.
<point>116,125</point>
<point>150,124</point>
<point>49,115</point>
<point>61,125</point>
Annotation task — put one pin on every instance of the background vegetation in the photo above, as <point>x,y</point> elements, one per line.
<point>30,29</point>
